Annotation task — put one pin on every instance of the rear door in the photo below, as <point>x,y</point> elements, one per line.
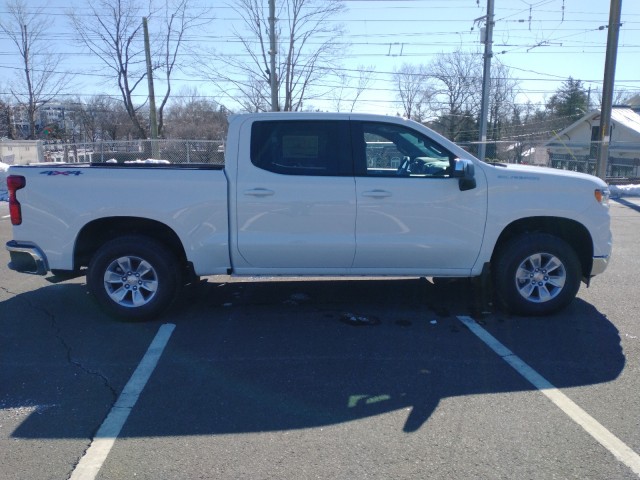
<point>295,197</point>
<point>411,215</point>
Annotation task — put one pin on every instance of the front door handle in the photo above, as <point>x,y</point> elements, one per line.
<point>376,193</point>
<point>259,192</point>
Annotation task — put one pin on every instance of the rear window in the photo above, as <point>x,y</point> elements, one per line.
<point>302,147</point>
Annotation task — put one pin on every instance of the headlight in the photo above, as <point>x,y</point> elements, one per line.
<point>602,196</point>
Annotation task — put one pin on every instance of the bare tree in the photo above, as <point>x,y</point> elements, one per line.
<point>99,117</point>
<point>114,122</point>
<point>179,18</point>
<point>457,82</point>
<point>84,119</point>
<point>254,95</point>
<point>306,50</point>
<point>339,93</point>
<point>194,117</point>
<point>620,97</point>
<point>365,77</point>
<point>502,103</point>
<point>40,80</point>
<point>113,33</point>
<point>414,91</point>
<point>527,129</point>
<point>346,92</point>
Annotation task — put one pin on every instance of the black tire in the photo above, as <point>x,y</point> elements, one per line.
<point>134,277</point>
<point>536,274</point>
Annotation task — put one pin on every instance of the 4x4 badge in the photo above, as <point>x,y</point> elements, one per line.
<point>66,173</point>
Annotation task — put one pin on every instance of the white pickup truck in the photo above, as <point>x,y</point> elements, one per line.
<point>313,195</point>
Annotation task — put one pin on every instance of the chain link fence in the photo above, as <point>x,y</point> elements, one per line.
<point>623,158</point>
<point>161,151</point>
<point>623,163</point>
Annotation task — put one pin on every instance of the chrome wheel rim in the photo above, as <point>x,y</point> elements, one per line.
<point>131,281</point>
<point>540,277</point>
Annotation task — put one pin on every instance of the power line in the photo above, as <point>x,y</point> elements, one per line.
<point>415,49</point>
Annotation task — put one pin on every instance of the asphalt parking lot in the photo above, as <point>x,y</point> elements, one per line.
<point>341,379</point>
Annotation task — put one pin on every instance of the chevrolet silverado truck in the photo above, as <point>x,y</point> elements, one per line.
<point>313,194</point>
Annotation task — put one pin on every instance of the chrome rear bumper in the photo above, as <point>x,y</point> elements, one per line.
<point>27,258</point>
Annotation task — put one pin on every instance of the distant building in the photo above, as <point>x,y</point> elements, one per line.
<point>20,120</point>
<point>633,103</point>
<point>54,115</point>
<point>577,146</point>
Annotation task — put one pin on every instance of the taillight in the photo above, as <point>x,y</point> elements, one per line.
<point>15,183</point>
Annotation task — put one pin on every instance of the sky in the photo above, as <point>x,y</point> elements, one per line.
<point>543,42</point>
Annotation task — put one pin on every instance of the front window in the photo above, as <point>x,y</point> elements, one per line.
<point>394,150</point>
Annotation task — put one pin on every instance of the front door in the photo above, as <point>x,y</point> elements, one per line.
<point>411,215</point>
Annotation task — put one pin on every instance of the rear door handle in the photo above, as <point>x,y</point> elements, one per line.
<point>376,193</point>
<point>259,192</point>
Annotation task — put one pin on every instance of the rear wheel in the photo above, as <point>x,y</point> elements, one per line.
<point>537,274</point>
<point>134,277</point>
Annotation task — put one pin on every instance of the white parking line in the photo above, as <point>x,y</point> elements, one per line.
<point>608,440</point>
<point>91,462</point>
<point>5,216</point>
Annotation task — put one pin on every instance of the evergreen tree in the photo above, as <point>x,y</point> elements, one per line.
<point>570,101</point>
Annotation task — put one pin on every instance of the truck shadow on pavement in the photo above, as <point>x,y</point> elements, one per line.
<point>272,356</point>
<point>627,203</point>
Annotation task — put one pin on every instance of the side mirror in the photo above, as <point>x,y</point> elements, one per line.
<point>464,170</point>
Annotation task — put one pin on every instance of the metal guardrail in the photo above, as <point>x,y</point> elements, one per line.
<point>172,151</point>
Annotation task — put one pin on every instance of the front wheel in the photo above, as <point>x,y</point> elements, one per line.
<point>536,274</point>
<point>133,277</point>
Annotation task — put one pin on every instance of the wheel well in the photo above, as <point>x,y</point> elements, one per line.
<point>572,232</point>
<point>97,233</point>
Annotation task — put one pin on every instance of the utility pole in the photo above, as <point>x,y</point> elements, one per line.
<point>152,96</point>
<point>607,86</point>
<point>273,78</point>
<point>486,79</point>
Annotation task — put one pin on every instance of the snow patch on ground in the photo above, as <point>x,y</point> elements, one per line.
<point>618,191</point>
<point>148,160</point>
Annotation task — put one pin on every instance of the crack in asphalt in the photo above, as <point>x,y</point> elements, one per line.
<point>6,290</point>
<point>58,335</point>
<point>77,363</point>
